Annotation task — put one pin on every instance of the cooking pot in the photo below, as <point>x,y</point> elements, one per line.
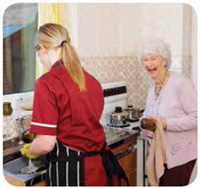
<point>134,113</point>
<point>118,118</point>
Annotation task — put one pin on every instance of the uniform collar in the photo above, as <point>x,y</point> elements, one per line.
<point>57,63</point>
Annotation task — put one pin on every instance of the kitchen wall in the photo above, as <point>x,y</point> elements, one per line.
<point>114,29</point>
<point>105,36</point>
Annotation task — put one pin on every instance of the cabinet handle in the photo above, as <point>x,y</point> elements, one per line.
<point>125,152</point>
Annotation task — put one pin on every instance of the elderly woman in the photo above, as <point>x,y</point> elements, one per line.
<point>172,99</point>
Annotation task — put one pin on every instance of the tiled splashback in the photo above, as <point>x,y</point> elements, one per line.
<point>127,68</point>
<point>10,127</point>
<point>113,69</point>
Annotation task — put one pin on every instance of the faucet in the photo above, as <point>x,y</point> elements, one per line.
<point>22,129</point>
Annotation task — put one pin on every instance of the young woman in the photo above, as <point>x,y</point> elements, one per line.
<point>172,99</point>
<point>68,103</point>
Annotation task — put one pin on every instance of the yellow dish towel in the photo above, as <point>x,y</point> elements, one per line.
<point>156,156</point>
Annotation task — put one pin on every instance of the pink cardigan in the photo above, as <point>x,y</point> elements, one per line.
<point>177,103</point>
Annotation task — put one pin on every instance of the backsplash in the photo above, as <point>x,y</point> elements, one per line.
<point>104,69</point>
<point>113,69</point>
<point>128,69</point>
<point>10,128</point>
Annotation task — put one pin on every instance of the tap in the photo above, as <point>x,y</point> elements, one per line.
<point>22,129</point>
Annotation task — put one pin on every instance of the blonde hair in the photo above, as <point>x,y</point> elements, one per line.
<point>52,36</point>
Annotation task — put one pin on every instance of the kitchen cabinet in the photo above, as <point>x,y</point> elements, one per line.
<point>126,154</point>
<point>42,183</point>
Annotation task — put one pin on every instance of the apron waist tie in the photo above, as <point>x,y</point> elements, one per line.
<point>111,165</point>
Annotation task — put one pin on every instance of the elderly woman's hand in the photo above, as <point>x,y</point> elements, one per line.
<point>163,122</point>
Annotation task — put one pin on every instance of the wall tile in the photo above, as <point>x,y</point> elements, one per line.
<point>113,69</point>
<point>128,69</point>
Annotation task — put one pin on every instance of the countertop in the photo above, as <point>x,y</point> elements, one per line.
<point>116,137</point>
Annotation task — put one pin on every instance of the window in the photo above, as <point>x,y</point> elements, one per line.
<point>20,24</point>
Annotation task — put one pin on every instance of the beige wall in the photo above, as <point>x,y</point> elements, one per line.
<point>112,29</point>
<point>160,20</point>
<point>98,29</point>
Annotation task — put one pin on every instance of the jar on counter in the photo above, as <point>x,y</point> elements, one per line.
<point>7,109</point>
<point>130,111</point>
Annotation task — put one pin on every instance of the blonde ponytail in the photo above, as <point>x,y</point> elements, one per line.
<point>72,64</point>
<point>53,36</point>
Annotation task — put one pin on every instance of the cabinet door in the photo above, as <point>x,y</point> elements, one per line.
<point>129,165</point>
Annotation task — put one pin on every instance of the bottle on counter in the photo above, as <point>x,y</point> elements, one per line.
<point>7,109</point>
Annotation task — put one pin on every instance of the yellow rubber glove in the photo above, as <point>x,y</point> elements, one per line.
<point>25,151</point>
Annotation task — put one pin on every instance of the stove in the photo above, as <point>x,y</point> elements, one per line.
<point>115,94</point>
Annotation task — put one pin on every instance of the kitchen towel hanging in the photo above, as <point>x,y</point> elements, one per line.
<point>157,156</point>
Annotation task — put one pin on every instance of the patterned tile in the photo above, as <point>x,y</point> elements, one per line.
<point>113,69</point>
<point>128,69</point>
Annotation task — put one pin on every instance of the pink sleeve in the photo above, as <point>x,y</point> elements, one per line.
<point>187,96</point>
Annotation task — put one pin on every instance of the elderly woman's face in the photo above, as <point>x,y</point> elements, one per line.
<point>154,64</point>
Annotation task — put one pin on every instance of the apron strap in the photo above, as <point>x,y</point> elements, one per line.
<point>111,165</point>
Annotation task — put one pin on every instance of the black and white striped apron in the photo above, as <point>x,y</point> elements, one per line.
<point>65,166</point>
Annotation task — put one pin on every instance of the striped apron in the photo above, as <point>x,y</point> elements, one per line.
<point>65,166</point>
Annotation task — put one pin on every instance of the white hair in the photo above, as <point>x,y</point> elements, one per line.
<point>152,45</point>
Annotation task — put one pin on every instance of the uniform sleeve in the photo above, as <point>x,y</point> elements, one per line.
<point>45,112</point>
<point>187,96</point>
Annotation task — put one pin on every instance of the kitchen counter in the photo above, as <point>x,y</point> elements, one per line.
<point>114,137</point>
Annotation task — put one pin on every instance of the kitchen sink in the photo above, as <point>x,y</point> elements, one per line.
<point>30,171</point>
